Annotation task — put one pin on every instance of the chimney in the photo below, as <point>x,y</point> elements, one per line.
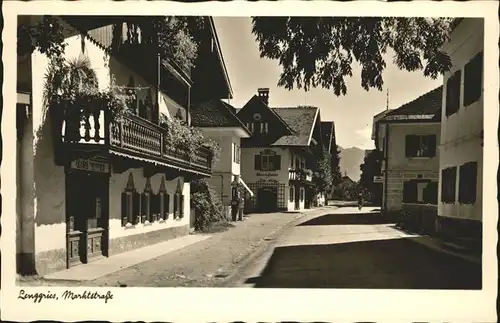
<point>264,94</point>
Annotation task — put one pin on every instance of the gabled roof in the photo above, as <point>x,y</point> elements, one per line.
<point>328,132</point>
<point>425,107</point>
<point>301,120</point>
<point>215,113</point>
<point>256,100</point>
<point>220,57</point>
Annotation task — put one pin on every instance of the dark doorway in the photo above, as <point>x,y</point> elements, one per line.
<point>267,199</point>
<point>87,216</point>
<point>297,197</point>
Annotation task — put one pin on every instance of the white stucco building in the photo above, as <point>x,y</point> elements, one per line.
<point>98,187</point>
<point>408,138</point>
<point>217,120</point>
<point>278,159</point>
<point>461,146</point>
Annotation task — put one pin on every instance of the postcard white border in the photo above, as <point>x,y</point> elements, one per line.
<point>202,304</point>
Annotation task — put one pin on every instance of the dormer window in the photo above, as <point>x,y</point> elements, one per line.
<point>264,128</point>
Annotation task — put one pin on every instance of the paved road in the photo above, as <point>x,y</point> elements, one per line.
<point>352,249</point>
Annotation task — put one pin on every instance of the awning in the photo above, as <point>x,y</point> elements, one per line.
<point>246,186</point>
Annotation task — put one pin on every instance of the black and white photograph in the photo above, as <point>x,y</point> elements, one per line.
<point>289,153</point>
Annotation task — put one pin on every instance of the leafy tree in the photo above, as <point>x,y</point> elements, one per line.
<point>371,167</point>
<point>335,167</point>
<point>320,51</point>
<point>322,176</point>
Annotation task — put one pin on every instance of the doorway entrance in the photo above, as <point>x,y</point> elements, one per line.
<point>267,199</point>
<point>297,197</point>
<point>87,216</point>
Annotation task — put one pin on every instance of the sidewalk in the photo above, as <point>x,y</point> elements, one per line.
<point>448,248</point>
<point>201,263</point>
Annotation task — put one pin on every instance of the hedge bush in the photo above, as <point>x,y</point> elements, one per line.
<point>207,205</point>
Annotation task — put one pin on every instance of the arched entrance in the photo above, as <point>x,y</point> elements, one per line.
<point>267,199</point>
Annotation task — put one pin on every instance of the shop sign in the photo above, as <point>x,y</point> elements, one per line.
<point>90,165</point>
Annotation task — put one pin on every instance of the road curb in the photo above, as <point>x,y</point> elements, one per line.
<point>260,247</point>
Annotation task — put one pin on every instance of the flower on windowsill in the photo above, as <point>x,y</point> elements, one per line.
<point>128,225</point>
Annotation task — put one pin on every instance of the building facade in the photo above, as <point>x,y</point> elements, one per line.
<point>408,139</point>
<point>278,159</point>
<point>461,145</point>
<point>217,120</point>
<point>91,186</point>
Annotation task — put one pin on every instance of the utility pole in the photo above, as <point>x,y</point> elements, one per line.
<point>387,103</point>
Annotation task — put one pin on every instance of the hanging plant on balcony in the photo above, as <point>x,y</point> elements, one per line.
<point>71,86</point>
<point>214,148</point>
<point>182,137</point>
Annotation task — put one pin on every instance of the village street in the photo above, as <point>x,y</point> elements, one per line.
<point>329,247</point>
<point>351,249</point>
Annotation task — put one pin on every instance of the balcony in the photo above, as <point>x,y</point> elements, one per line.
<point>299,174</point>
<point>129,136</point>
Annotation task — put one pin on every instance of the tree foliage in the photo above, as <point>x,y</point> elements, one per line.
<point>320,51</point>
<point>372,166</point>
<point>335,167</point>
<point>171,35</point>
<point>322,175</point>
<point>206,203</point>
<point>47,36</point>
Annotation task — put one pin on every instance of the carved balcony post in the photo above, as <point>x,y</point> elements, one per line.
<point>121,133</point>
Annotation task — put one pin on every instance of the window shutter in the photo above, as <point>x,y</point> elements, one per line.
<point>181,206</point>
<point>167,205</point>
<point>431,140</point>
<point>277,162</point>
<point>124,209</point>
<point>410,192</point>
<point>473,182</point>
<point>257,162</point>
<point>407,145</point>
<point>176,206</point>
<point>444,183</point>
<point>136,207</point>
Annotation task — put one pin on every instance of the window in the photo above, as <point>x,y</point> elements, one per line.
<point>250,126</point>
<point>146,202</point>
<point>268,160</point>
<point>291,192</point>
<point>178,202</point>
<point>420,146</point>
<point>164,201</point>
<point>302,194</point>
<point>236,153</point>
<point>448,184</point>
<point>420,191</point>
<point>467,183</point>
<point>453,93</point>
<point>264,128</point>
<point>129,201</point>
<point>473,79</point>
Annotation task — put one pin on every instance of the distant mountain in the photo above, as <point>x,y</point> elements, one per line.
<point>350,160</point>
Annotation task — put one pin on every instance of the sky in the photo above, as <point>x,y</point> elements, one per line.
<point>352,113</point>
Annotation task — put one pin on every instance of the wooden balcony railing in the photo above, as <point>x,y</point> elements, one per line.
<point>130,134</point>
<point>298,174</point>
